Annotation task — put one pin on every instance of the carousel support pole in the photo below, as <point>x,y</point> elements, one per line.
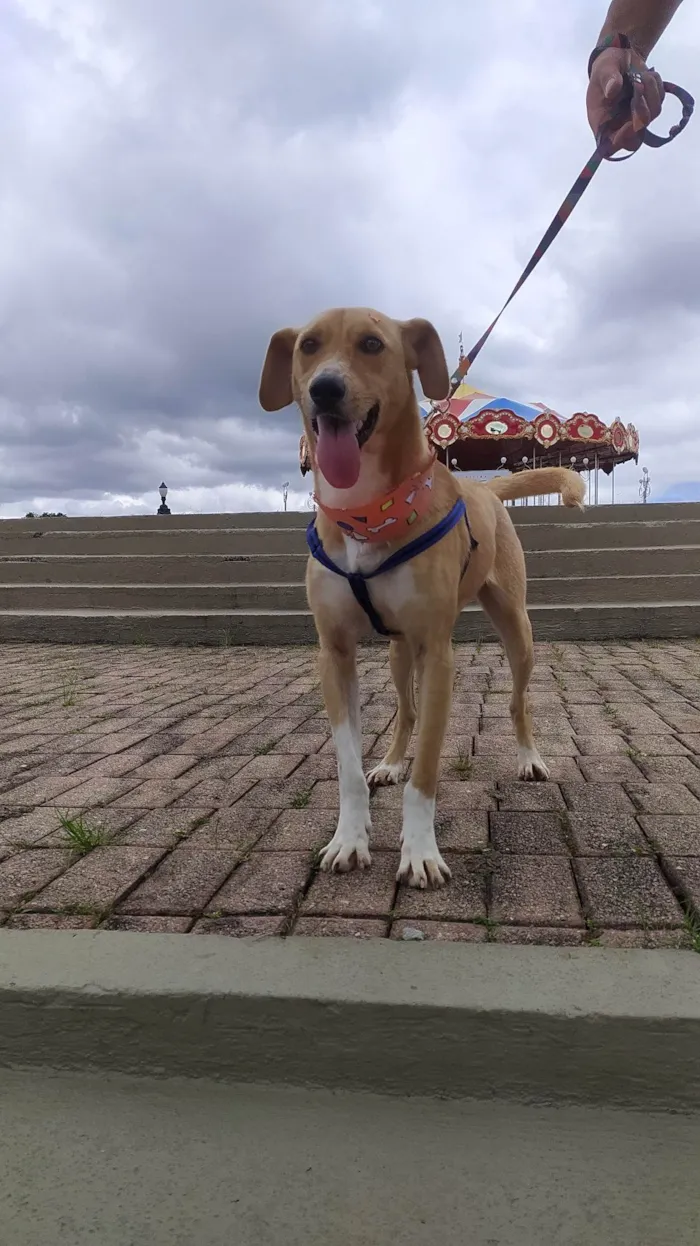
<point>612,484</point>
<point>596,478</point>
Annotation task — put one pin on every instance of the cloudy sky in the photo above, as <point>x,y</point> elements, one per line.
<point>178,180</point>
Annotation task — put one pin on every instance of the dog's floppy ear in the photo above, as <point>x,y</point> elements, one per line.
<point>276,381</point>
<point>424,353</point>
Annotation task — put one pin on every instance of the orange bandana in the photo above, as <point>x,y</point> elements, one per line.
<point>387,518</point>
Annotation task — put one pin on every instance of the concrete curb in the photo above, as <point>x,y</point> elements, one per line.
<point>531,1024</point>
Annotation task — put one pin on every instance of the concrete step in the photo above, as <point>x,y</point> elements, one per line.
<point>284,541</point>
<point>290,569</point>
<point>137,568</point>
<point>299,519</point>
<point>633,513</point>
<point>585,535</point>
<point>597,621</point>
<point>550,590</point>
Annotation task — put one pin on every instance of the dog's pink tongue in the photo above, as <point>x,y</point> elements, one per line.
<point>337,453</point>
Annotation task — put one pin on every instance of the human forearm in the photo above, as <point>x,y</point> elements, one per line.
<point>643,21</point>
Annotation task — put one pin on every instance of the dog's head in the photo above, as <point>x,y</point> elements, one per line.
<point>350,371</point>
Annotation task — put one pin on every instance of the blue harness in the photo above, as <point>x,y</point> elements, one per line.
<point>358,581</point>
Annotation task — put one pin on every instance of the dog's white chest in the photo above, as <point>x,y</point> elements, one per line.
<point>390,591</point>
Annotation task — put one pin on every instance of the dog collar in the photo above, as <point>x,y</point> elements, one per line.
<point>388,518</point>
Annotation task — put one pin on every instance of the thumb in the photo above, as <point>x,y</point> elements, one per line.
<point>613,87</point>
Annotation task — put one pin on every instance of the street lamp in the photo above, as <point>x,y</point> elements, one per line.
<point>163,491</point>
<point>645,485</point>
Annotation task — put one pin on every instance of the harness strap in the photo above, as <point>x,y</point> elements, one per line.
<point>358,581</point>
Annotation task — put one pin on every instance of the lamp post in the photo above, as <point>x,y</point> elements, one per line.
<point>645,485</point>
<point>163,491</point>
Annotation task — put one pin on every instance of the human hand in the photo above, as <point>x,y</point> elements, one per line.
<point>606,91</point>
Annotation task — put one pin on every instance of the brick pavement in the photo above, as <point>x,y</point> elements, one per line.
<point>190,790</point>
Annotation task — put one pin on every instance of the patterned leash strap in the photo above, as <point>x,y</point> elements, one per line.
<point>603,151</point>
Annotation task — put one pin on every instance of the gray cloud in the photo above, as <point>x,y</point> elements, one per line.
<point>178,183</point>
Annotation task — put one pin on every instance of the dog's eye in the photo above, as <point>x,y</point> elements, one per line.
<point>308,345</point>
<point>371,345</point>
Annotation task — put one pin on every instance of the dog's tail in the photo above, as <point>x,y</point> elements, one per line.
<point>540,480</point>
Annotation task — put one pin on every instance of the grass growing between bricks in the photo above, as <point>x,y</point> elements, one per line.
<point>81,834</point>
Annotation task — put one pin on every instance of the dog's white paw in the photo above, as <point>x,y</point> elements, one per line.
<point>422,869</point>
<point>530,765</point>
<point>421,864</point>
<point>384,774</point>
<point>346,851</point>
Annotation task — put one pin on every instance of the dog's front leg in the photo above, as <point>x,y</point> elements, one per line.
<point>349,846</point>
<point>421,862</point>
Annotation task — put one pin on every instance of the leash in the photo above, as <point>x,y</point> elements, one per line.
<point>603,151</point>
<point>358,581</point>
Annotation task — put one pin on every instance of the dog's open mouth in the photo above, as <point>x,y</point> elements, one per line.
<point>338,445</point>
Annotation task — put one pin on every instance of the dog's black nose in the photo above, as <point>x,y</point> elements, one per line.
<point>327,390</point>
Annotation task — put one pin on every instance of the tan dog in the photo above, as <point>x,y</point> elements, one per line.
<point>350,371</point>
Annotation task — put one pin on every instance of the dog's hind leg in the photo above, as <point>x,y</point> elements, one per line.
<point>390,769</point>
<point>510,618</point>
<point>349,846</point>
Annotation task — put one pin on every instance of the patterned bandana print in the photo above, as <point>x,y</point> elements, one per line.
<point>389,518</point>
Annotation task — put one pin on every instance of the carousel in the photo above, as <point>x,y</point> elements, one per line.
<point>480,432</point>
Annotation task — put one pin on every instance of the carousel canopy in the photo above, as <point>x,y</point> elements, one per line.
<point>481,430</point>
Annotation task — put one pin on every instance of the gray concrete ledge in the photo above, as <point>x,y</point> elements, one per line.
<point>530,1024</point>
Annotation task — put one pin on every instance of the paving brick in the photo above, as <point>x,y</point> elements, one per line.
<point>269,882</point>
<point>528,833</point>
<point>27,872</point>
<point>614,769</point>
<point>668,798</point>
<point>602,744</point>
<point>626,891</point>
<point>51,921</point>
<point>299,830</point>
<point>184,882</point>
<point>271,766</point>
<point>280,794</point>
<point>157,828</point>
<point>690,742</point>
<point>40,791</point>
<point>43,825</point>
<point>312,769</point>
<point>604,834</point>
<point>98,880</point>
<point>341,927</point>
<point>529,796</point>
<point>240,927</point>
<point>669,770</point>
<point>680,939</point>
<point>539,936</point>
<point>324,795</point>
<point>684,873</point>
<point>460,797</point>
<point>675,836</point>
<point>149,925</point>
<point>303,743</point>
<point>534,891</point>
<point>362,893</point>
<point>597,798</point>
<point>441,932</point>
<point>462,900</point>
<point>235,828</point>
